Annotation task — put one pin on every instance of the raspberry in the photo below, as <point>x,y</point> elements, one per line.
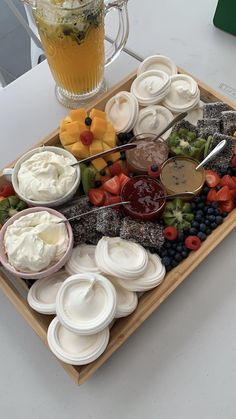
<point>193,242</point>
<point>170,233</point>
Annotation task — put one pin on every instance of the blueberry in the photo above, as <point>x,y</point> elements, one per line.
<point>174,245</point>
<point>199,218</point>
<point>201,236</point>
<point>203,227</point>
<point>213,226</point>
<point>122,138</point>
<point>193,231</point>
<point>166,261</point>
<point>229,171</point>
<point>218,187</point>
<point>233,170</point>
<point>206,190</point>
<point>109,163</point>
<point>102,172</point>
<point>163,253</point>
<point>152,250</point>
<point>210,210</point>
<point>179,248</point>
<point>224,214</point>
<point>154,167</point>
<point>208,231</point>
<point>181,237</point>
<point>223,172</point>
<point>214,204</point>
<point>219,219</point>
<point>122,156</point>
<point>88,121</point>
<point>195,224</point>
<point>168,268</point>
<point>194,206</point>
<point>184,253</point>
<point>98,183</point>
<point>199,212</point>
<point>132,175</point>
<point>211,218</point>
<point>207,222</point>
<point>201,205</point>
<point>216,212</point>
<point>178,257</point>
<point>198,200</point>
<point>167,245</point>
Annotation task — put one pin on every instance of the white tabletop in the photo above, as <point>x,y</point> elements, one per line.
<point>182,362</point>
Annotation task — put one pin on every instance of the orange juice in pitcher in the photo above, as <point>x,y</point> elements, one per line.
<point>72,35</point>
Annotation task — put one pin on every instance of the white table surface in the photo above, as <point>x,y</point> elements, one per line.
<point>181,363</point>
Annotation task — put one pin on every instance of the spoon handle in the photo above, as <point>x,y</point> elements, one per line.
<point>117,204</point>
<point>176,195</point>
<point>105,153</point>
<point>212,154</point>
<point>173,122</point>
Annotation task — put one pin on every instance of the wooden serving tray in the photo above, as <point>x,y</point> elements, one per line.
<point>122,328</point>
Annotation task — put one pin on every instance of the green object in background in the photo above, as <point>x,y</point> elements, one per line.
<point>225,16</point>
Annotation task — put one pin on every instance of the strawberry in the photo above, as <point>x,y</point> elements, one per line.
<point>233,161</point>
<point>211,195</point>
<point>96,196</point>
<point>105,178</point>
<point>227,206</point>
<point>193,242</point>
<point>112,199</point>
<point>86,137</point>
<point>7,190</point>
<point>115,169</point>
<point>154,171</point>
<point>212,178</point>
<point>123,179</point>
<point>223,194</point>
<point>112,185</point>
<point>227,180</point>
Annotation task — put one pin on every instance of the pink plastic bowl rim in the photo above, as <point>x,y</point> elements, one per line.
<point>46,272</point>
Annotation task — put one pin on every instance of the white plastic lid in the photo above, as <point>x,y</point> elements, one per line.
<point>127,301</point>
<point>151,87</point>
<point>122,111</point>
<point>183,95</point>
<point>122,258</point>
<point>152,277</point>
<point>153,119</point>
<point>82,260</point>
<point>86,303</point>
<point>75,349</point>
<point>158,62</point>
<point>42,295</point>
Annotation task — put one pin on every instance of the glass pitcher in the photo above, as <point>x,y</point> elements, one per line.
<point>72,34</point>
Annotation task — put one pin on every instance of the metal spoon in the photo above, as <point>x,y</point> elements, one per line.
<point>212,154</point>
<point>107,152</point>
<point>173,122</point>
<point>176,195</point>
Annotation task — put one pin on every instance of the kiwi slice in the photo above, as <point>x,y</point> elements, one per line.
<point>178,214</point>
<point>88,177</point>
<point>10,206</point>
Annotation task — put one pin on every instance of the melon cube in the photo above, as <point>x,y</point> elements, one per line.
<point>64,122</point>
<point>79,150</point>
<point>96,147</point>
<point>98,127</point>
<point>96,112</point>
<point>114,156</point>
<point>66,138</point>
<point>78,114</point>
<point>99,163</point>
<point>110,136</point>
<point>73,129</point>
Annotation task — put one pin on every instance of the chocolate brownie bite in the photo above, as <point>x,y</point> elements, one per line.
<point>148,234</point>
<point>214,109</point>
<point>109,222</point>
<point>229,122</point>
<point>207,126</point>
<point>222,160</point>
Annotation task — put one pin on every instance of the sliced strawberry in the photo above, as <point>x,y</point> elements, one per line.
<point>223,194</point>
<point>7,190</point>
<point>227,180</point>
<point>112,199</point>
<point>123,179</point>
<point>233,161</point>
<point>212,178</point>
<point>115,169</point>
<point>105,178</point>
<point>112,185</point>
<point>211,196</point>
<point>96,196</point>
<point>227,206</point>
<point>233,193</point>
<point>234,179</point>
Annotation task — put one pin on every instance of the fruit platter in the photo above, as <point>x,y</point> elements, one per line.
<point>101,221</point>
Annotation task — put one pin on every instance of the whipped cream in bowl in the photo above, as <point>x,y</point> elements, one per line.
<point>34,243</point>
<point>44,176</point>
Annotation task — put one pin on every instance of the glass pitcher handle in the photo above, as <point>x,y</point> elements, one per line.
<point>123,30</point>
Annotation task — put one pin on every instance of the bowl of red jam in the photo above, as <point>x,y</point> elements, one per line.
<point>143,194</point>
